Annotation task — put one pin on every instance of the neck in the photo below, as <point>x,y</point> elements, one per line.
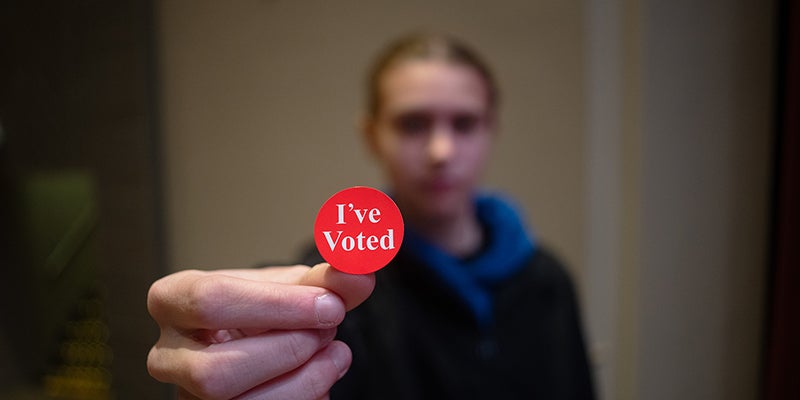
<point>459,234</point>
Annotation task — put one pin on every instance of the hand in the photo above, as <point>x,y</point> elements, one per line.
<point>253,334</point>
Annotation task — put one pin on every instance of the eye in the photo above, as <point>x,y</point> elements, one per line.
<point>414,123</point>
<point>465,123</point>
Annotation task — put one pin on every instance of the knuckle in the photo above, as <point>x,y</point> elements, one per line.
<point>156,297</point>
<point>205,298</point>
<point>293,305</point>
<point>204,380</point>
<point>289,305</point>
<point>318,383</point>
<point>155,366</point>
<point>300,347</point>
<point>162,293</point>
<point>316,388</point>
<point>196,373</point>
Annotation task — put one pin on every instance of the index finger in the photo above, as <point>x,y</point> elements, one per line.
<point>207,300</point>
<point>353,289</point>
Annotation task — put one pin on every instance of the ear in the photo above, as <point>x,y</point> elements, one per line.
<point>369,133</point>
<point>493,124</point>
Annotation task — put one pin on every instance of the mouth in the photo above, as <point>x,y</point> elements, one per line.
<point>439,185</point>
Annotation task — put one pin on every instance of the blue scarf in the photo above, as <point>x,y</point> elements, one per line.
<point>508,247</point>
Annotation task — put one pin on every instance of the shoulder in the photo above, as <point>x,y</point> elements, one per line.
<point>547,265</point>
<point>548,274</point>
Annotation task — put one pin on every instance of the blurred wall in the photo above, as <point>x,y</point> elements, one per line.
<point>680,126</point>
<point>634,133</point>
<point>707,126</point>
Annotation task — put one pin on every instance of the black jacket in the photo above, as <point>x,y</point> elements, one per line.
<point>414,339</point>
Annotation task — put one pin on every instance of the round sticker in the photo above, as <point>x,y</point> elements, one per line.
<point>358,230</point>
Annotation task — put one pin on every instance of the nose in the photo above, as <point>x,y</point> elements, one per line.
<point>440,146</point>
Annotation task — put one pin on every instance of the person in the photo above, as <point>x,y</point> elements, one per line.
<point>471,307</point>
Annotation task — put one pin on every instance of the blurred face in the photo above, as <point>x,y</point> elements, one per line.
<point>432,134</point>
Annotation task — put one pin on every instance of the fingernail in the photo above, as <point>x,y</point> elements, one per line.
<point>329,310</point>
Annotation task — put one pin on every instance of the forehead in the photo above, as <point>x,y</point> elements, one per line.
<point>434,85</point>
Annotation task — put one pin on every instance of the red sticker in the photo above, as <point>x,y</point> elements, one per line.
<point>358,230</point>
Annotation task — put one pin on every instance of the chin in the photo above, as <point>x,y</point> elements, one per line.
<point>442,206</point>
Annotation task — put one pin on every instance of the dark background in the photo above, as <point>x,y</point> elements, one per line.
<point>80,184</point>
